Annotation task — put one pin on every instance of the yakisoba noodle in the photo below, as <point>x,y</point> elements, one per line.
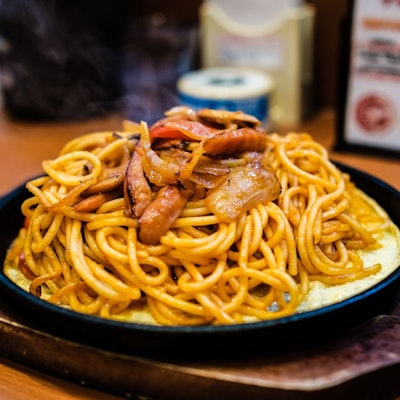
<point>203,270</point>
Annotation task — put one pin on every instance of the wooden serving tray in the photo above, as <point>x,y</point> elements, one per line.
<point>363,364</point>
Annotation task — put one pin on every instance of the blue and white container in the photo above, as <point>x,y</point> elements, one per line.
<point>228,88</point>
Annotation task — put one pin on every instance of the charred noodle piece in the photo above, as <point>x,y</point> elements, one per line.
<point>137,190</point>
<point>161,214</point>
<point>236,141</point>
<point>24,268</point>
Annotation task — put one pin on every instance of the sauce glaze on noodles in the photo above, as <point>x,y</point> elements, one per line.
<point>203,271</point>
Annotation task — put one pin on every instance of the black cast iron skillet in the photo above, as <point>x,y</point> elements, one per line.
<point>294,332</point>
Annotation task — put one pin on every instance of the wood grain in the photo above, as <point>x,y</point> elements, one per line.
<point>365,361</point>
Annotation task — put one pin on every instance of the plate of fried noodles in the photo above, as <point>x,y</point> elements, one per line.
<point>200,230</point>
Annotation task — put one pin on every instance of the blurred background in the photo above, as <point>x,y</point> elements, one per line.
<point>70,60</point>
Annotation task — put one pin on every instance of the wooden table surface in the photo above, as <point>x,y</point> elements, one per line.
<point>24,146</point>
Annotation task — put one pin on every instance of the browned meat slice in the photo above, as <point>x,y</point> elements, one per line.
<point>161,214</point>
<point>236,141</point>
<point>137,189</point>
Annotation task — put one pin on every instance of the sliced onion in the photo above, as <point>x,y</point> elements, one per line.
<point>207,165</point>
<point>244,188</point>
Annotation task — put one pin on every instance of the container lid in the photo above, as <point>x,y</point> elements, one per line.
<point>225,83</point>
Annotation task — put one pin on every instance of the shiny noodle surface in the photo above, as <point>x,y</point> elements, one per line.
<point>203,271</point>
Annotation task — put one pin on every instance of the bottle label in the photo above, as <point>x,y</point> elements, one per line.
<point>263,52</point>
<point>373,97</point>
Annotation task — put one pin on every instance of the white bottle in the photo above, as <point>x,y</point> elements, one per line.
<point>270,35</point>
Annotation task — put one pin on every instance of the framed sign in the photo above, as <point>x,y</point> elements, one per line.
<point>369,95</point>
